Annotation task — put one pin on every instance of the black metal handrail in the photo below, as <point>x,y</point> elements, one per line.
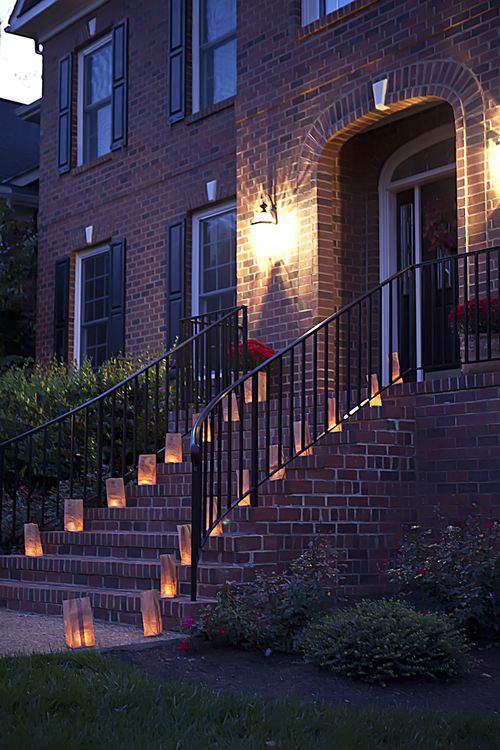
<point>339,366</point>
<point>71,455</point>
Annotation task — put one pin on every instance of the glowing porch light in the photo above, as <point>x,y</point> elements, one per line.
<point>73,515</point>
<point>173,448</point>
<point>184,534</point>
<point>78,622</point>
<point>297,431</point>
<point>375,397</point>
<point>32,541</point>
<point>146,469</point>
<point>151,616</point>
<point>115,492</point>
<point>168,576</point>
<point>275,459</point>
<point>332,417</point>
<point>245,486</point>
<point>217,530</point>
<point>264,230</point>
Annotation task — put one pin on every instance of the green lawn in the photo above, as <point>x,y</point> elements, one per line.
<point>89,701</point>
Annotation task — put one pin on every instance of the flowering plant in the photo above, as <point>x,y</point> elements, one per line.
<point>258,352</point>
<point>454,571</point>
<point>456,317</point>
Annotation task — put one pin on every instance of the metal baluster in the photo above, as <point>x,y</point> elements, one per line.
<point>315,385</point>
<point>112,435</point>
<point>156,406</point>
<point>29,482</point>
<point>391,348</point>
<point>44,476</point>
<point>369,343</point>
<point>466,309</point>
<point>100,421</point>
<point>325,378</point>
<point>2,487</point>
<point>58,467</point>
<point>348,362</point>
<point>280,406</point>
<point>444,319</point>
<point>16,490</point>
<point>146,411</point>
<point>124,431</point>
<point>254,471</point>
<point>85,453</point>
<point>72,454</point>
<point>337,370</point>
<point>292,404</point>
<point>488,305</point>
<point>302,398</point>
<point>476,297</point>
<point>267,443</point>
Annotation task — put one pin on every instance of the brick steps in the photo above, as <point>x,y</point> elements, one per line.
<point>107,604</point>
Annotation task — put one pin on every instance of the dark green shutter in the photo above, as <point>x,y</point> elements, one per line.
<point>176,60</point>
<point>117,297</point>
<point>176,232</point>
<point>119,103</point>
<point>61,309</point>
<point>64,120</point>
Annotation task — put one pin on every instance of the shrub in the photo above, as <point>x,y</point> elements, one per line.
<point>378,641</point>
<point>454,571</point>
<point>269,612</point>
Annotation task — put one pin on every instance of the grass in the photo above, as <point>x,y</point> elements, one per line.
<point>89,701</point>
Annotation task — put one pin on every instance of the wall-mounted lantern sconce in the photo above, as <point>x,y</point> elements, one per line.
<point>266,215</point>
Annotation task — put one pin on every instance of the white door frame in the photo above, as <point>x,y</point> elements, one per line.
<point>388,240</point>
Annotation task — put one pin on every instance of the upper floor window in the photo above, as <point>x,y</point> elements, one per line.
<point>95,88</point>
<point>214,43</point>
<point>314,9</point>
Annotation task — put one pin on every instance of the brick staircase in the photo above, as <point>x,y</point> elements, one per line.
<point>356,487</point>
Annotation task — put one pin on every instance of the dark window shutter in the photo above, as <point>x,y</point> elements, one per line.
<point>176,233</point>
<point>119,103</point>
<point>61,309</point>
<point>64,107</point>
<point>176,60</point>
<point>117,297</point>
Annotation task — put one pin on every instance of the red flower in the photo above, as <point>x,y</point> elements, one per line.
<point>222,632</point>
<point>490,525</point>
<point>184,647</point>
<point>258,352</point>
<point>423,614</point>
<point>422,571</point>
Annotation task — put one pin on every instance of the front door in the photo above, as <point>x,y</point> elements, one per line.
<point>419,208</point>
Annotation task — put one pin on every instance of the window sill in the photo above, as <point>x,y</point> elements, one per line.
<point>335,17</point>
<point>81,168</point>
<point>213,109</point>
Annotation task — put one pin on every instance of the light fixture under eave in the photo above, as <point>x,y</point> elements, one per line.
<point>263,227</point>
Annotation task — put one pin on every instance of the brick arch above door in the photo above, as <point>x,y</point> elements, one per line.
<point>353,112</point>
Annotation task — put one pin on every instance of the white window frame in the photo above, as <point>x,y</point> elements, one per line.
<point>196,56</point>
<point>81,90</point>
<point>77,330</point>
<point>198,217</point>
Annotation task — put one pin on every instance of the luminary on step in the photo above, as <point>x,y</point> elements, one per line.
<point>184,533</point>
<point>146,469</point>
<point>32,541</point>
<point>332,417</point>
<point>206,428</point>
<point>375,396</point>
<point>261,387</point>
<point>274,461</point>
<point>168,576</point>
<point>217,530</point>
<point>297,431</point>
<point>245,486</point>
<point>173,448</point>
<point>73,515</point>
<point>396,370</point>
<point>151,615</point>
<point>78,622</point>
<point>115,492</point>
<point>235,415</point>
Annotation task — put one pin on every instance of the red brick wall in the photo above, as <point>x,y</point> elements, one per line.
<point>298,91</point>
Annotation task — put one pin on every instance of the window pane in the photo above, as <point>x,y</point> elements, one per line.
<point>97,132</point>
<point>218,262</point>
<point>98,75</point>
<point>220,18</point>
<point>224,71</point>
<point>438,155</point>
<point>95,307</point>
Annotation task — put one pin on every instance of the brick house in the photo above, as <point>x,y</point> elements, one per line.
<point>289,158</point>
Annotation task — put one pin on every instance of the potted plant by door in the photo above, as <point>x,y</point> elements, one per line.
<point>480,349</point>
<point>257,354</point>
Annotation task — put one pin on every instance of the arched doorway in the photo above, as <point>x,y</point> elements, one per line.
<point>417,224</point>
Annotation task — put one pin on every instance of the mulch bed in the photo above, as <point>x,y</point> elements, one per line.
<point>283,676</point>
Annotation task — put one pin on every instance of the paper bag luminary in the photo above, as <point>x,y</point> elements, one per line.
<point>115,492</point>
<point>375,396</point>
<point>173,448</point>
<point>168,576</point>
<point>73,515</point>
<point>245,486</point>
<point>32,541</point>
<point>151,615</point>
<point>184,533</point>
<point>78,622</point>
<point>146,469</point>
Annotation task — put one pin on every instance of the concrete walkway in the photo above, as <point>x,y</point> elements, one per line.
<point>21,632</point>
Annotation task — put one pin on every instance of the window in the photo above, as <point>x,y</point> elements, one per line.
<point>92,306</point>
<point>314,9</point>
<point>214,260</point>
<point>94,100</point>
<point>214,51</point>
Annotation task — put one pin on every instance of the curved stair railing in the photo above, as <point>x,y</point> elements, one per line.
<point>254,428</point>
<point>72,455</point>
